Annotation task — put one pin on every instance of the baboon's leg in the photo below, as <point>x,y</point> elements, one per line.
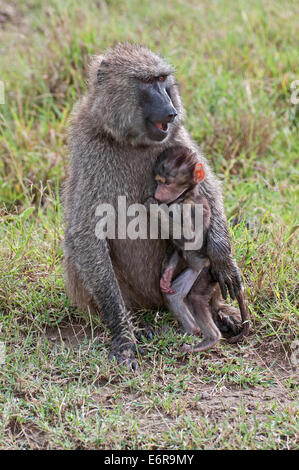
<point>199,299</point>
<point>176,302</point>
<point>176,299</point>
<point>75,288</point>
<point>210,332</point>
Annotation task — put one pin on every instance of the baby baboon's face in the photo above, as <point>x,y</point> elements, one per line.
<point>177,170</point>
<point>174,173</point>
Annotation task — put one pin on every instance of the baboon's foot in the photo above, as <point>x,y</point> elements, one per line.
<point>146,331</point>
<point>244,332</point>
<point>228,320</point>
<point>125,354</point>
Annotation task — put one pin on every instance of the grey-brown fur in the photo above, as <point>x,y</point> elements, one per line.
<point>111,155</point>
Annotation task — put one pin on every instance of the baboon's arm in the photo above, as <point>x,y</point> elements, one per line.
<point>92,261</point>
<point>245,321</point>
<point>223,267</point>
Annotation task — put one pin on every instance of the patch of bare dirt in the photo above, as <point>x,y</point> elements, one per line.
<point>26,435</point>
<point>73,335</point>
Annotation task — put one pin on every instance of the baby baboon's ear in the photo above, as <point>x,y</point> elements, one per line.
<point>199,173</point>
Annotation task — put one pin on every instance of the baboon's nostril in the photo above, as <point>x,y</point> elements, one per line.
<point>170,117</point>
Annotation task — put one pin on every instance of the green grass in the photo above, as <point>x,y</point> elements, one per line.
<point>235,62</point>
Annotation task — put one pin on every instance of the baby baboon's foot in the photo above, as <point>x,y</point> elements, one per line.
<point>125,354</point>
<point>165,281</point>
<point>193,331</point>
<point>205,344</point>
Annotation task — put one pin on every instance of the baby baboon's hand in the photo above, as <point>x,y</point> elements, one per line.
<point>227,273</point>
<point>150,200</point>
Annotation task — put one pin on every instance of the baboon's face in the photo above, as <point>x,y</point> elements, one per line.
<point>134,95</point>
<point>157,107</point>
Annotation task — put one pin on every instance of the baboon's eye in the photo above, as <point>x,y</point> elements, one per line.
<point>148,80</point>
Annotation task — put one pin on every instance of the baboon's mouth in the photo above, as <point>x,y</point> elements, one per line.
<point>161,125</point>
<point>157,131</point>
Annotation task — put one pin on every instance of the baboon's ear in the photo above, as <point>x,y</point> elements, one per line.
<point>100,73</point>
<point>95,69</point>
<point>199,173</point>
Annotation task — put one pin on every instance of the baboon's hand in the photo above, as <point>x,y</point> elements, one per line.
<point>227,273</point>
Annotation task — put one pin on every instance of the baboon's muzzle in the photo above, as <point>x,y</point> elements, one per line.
<point>159,112</point>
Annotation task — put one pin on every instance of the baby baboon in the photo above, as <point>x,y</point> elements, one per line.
<point>130,113</point>
<point>178,174</point>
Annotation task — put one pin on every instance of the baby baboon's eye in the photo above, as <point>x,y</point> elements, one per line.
<point>162,78</point>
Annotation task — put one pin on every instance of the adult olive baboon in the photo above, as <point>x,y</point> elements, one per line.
<point>131,112</point>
